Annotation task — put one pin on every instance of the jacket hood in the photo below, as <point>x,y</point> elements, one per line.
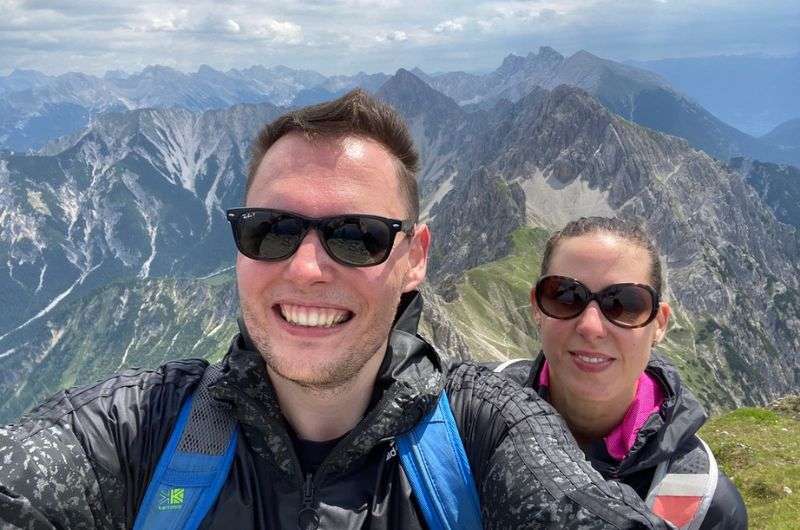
<point>680,417</point>
<point>409,381</point>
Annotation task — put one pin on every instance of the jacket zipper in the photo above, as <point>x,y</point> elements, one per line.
<point>308,517</point>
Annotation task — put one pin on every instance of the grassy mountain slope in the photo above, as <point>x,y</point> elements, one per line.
<point>123,325</point>
<point>759,449</point>
<point>490,304</point>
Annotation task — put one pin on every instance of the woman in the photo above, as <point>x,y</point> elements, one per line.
<point>599,309</point>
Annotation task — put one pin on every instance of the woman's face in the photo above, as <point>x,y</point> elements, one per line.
<point>590,358</point>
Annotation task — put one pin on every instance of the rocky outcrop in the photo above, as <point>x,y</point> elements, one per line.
<point>732,266</point>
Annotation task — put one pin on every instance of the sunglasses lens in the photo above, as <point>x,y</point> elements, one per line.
<point>627,305</point>
<point>358,241</point>
<point>269,236</point>
<point>561,297</point>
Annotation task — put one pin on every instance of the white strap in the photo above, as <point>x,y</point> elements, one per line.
<point>700,485</point>
<point>502,366</point>
<point>711,487</point>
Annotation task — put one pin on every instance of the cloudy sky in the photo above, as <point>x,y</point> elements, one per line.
<point>345,36</point>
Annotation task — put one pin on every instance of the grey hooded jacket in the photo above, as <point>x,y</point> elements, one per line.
<point>84,458</point>
<point>663,437</point>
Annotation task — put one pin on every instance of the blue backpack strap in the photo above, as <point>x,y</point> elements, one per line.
<point>437,467</point>
<point>193,466</point>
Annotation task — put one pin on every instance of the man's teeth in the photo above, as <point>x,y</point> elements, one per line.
<point>592,360</point>
<point>312,316</point>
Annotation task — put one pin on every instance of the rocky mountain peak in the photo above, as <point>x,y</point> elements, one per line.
<point>417,71</point>
<point>411,95</point>
<point>206,70</point>
<point>113,75</point>
<point>26,74</point>
<point>157,70</point>
<point>511,64</point>
<point>585,55</point>
<point>546,53</point>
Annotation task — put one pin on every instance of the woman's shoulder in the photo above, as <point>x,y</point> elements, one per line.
<point>727,509</point>
<point>693,473</point>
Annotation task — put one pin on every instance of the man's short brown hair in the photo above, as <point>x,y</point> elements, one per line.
<point>355,113</point>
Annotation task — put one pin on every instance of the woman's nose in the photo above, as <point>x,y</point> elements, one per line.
<point>591,323</point>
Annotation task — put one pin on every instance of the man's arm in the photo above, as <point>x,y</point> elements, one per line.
<point>84,458</point>
<point>528,469</point>
<point>47,482</point>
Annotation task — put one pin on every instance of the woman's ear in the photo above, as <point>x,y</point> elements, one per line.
<point>662,322</point>
<point>535,312</point>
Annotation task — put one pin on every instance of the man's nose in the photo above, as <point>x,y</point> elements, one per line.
<point>591,323</point>
<point>310,263</point>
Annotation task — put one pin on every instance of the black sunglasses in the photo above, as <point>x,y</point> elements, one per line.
<point>354,240</point>
<point>627,305</point>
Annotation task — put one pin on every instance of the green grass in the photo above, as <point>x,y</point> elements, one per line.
<point>759,450</point>
<point>493,311</point>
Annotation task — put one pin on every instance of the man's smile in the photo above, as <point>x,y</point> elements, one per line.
<point>313,316</point>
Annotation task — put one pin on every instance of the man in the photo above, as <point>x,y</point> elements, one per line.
<point>324,380</point>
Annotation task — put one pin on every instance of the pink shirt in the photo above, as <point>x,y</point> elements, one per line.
<point>647,402</point>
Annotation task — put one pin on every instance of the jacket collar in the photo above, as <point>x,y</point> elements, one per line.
<point>663,434</point>
<point>409,380</point>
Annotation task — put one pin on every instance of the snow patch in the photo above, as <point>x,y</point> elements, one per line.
<point>437,196</point>
<point>53,303</point>
<point>36,202</point>
<point>41,278</point>
<point>220,271</point>
<point>153,231</point>
<point>552,204</point>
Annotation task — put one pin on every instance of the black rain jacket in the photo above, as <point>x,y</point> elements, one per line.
<point>85,457</point>
<point>663,436</point>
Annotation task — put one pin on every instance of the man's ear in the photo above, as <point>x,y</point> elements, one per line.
<point>417,257</point>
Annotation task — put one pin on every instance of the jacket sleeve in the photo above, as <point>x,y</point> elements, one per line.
<point>727,510</point>
<point>84,458</point>
<point>528,469</point>
<point>46,481</point>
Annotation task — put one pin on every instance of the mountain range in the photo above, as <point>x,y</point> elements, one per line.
<point>117,252</point>
<point>752,93</point>
<point>37,108</point>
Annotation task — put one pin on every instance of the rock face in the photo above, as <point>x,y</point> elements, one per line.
<point>732,266</point>
<point>138,198</point>
<point>777,185</point>
<point>139,194</point>
<point>635,94</point>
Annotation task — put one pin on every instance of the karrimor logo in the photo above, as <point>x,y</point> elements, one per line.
<point>171,499</point>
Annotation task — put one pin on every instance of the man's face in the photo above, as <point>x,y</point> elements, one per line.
<point>288,306</point>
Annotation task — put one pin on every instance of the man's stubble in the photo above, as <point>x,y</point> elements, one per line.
<point>324,377</point>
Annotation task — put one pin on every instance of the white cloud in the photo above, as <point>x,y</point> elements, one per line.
<point>339,36</point>
<point>277,31</point>
<point>449,26</point>
<point>392,36</point>
<point>231,26</point>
